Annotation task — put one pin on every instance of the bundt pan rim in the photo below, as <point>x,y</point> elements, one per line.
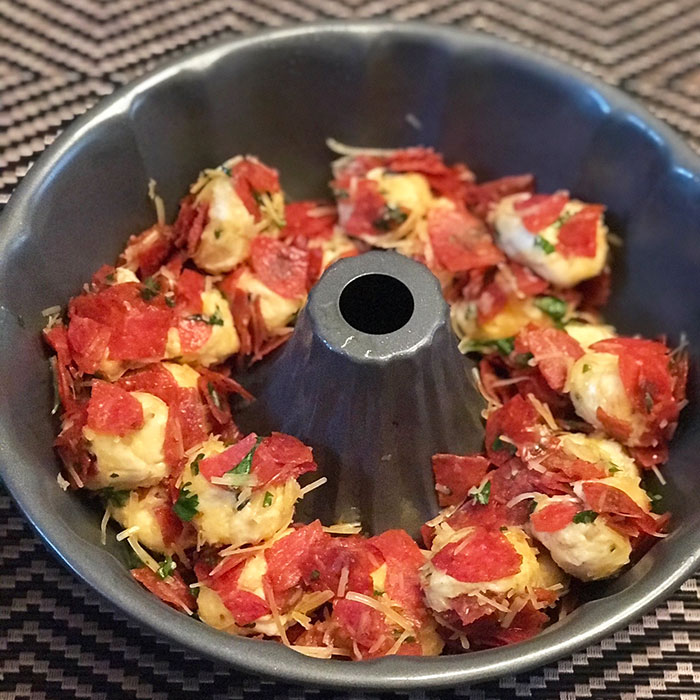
<point>675,558</point>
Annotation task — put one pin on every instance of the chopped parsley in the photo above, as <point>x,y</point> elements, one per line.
<point>195,463</point>
<point>533,506</point>
<point>391,218</point>
<point>217,233</point>
<point>213,320</point>
<point>315,575</point>
<point>151,289</point>
<point>166,567</point>
<point>554,307</point>
<point>503,528</point>
<point>186,505</point>
<point>504,345</point>
<point>409,640</point>
<point>585,516</point>
<point>243,467</point>
<point>500,444</point>
<point>377,593</point>
<point>522,359</point>
<point>613,468</point>
<point>341,194</point>
<point>170,301</point>
<point>562,220</point>
<point>267,499</point>
<point>113,475</point>
<point>214,395</point>
<point>586,368</point>
<point>481,495</point>
<point>226,170</point>
<point>542,243</point>
<point>114,497</point>
<point>110,278</point>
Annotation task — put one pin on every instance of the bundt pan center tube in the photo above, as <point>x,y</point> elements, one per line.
<point>372,379</point>
<point>279,94</point>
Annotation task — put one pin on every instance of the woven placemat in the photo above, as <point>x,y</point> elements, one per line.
<point>57,58</point>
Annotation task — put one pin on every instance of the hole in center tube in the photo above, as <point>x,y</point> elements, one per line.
<point>376,304</point>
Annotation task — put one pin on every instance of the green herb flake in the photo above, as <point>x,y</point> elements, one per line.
<point>243,467</point>
<point>315,575</point>
<point>543,244</point>
<point>170,301</point>
<point>503,528</point>
<point>391,218</point>
<point>532,507</point>
<point>267,499</point>
<point>195,463</point>
<point>186,505</point>
<point>226,170</point>
<point>217,233</point>
<point>585,516</point>
<point>166,568</point>
<point>114,475</point>
<point>522,359</point>
<point>114,497</point>
<point>482,495</point>
<point>341,194</point>
<point>409,640</point>
<point>613,468</point>
<point>377,593</point>
<point>151,289</point>
<point>586,368</point>
<point>110,278</point>
<point>505,345</point>
<point>214,395</point>
<point>500,444</point>
<point>214,320</point>
<point>554,307</point>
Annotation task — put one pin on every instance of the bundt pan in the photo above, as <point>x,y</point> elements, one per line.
<point>279,95</point>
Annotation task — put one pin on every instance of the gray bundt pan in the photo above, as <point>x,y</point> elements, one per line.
<point>279,95</point>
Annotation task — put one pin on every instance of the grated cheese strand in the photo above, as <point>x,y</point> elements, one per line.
<point>313,485</point>
<point>143,555</point>
<point>381,607</point>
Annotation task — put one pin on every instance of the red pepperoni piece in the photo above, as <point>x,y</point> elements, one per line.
<point>364,626</point>
<point>88,341</point>
<point>455,475</point>
<point>141,335</point>
<point>572,468</point>
<point>113,410</point>
<point>604,498</point>
<point>403,560</point>
<point>246,607</point>
<point>469,609</point>
<point>419,160</point>
<point>527,281</point>
<point>303,225</point>
<point>290,559</point>
<point>577,235</point>
<point>649,457</point>
<point>173,449</point>
<point>491,301</point>
<point>57,338</point>
<point>155,380</point>
<point>188,291</point>
<point>172,590</point>
<point>366,206</point>
<point>481,197</point>
<point>147,251</point>
<point>483,555</point>
<point>280,267</point>
<point>191,414</point>
<point>517,420</point>
<point>460,241</point>
<point>170,525</point>
<point>555,516</point>
<point>193,334</point>
<point>315,269</point>
<point>190,224</point>
<point>250,177</point>
<point>280,458</point>
<point>553,350</point>
<point>617,428</point>
<point>487,632</point>
<point>219,464</point>
<point>541,210</point>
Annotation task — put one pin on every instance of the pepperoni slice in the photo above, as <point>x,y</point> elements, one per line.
<point>57,338</point>
<point>617,428</point>
<point>88,341</point>
<point>193,334</point>
<point>189,289</point>
<point>149,250</point>
<point>487,632</point>
<point>460,241</point>
<point>555,516</point>
<point>484,555</point>
<point>366,206</point>
<point>189,225</point>
<point>517,420</point>
<point>246,607</point>
<point>219,464</point>
<point>154,379</point>
<point>113,410</point>
<point>527,281</point>
<point>282,268</point>
<point>541,210</point>
<point>170,525</point>
<point>172,590</point>
<point>455,475</point>
<point>250,178</point>
<point>303,225</point>
<point>280,458</point>
<point>290,559</point>
<point>364,626</point>
<point>578,234</point>
<point>470,609</point>
<point>572,468</point>
<point>491,301</point>
<point>553,350</point>
<point>481,197</point>
<point>604,498</point>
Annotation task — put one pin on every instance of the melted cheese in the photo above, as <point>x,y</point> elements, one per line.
<point>588,333</point>
<point>276,310</point>
<point>225,240</point>
<point>514,316</point>
<point>137,459</point>
<point>594,382</point>
<point>587,551</point>
<point>521,245</point>
<point>221,344</point>
<point>406,190</point>
<point>185,376</point>
<point>139,511</point>
<point>122,275</point>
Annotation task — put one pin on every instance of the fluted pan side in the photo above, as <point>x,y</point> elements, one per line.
<point>374,405</point>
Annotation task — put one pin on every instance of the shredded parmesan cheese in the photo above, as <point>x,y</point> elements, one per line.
<point>142,554</point>
<point>313,485</point>
<point>303,620</point>
<point>382,607</point>
<point>274,610</point>
<point>659,475</point>
<point>544,410</point>
<point>71,470</point>
<point>522,497</point>
<point>319,652</point>
<point>103,525</point>
<point>397,644</point>
<point>344,150</point>
<point>343,581</point>
<point>62,482</point>
<point>127,533</point>
<point>157,202</point>
<point>344,529</point>
<point>50,311</point>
